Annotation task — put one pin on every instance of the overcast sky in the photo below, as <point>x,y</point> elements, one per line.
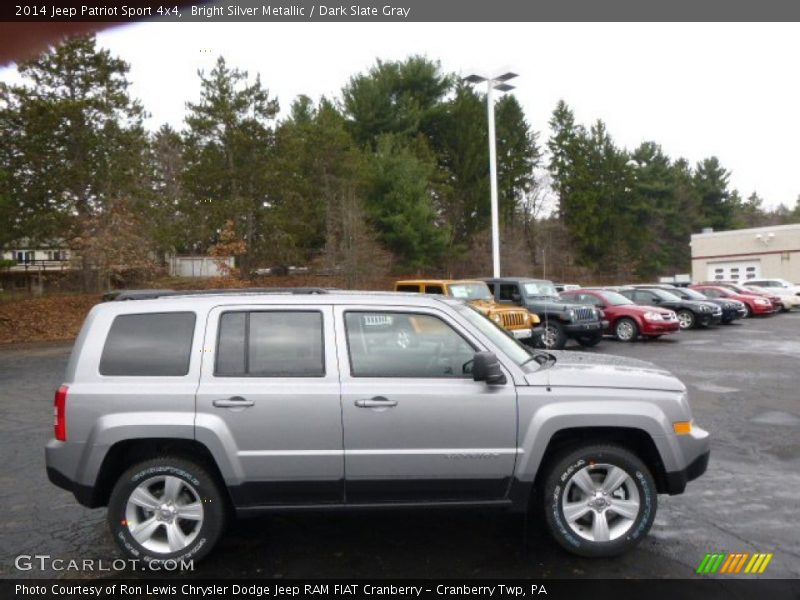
<point>730,90</point>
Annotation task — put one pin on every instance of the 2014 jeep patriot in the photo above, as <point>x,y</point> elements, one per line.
<point>176,411</point>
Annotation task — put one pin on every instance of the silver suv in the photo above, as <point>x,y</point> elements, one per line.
<point>181,408</point>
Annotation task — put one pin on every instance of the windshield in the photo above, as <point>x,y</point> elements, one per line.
<point>540,288</point>
<point>615,299</point>
<point>470,291</point>
<point>665,295</point>
<point>692,294</point>
<point>498,336</point>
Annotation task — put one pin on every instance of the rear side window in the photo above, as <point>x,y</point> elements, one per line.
<point>434,289</point>
<point>149,345</point>
<point>407,288</point>
<point>270,344</point>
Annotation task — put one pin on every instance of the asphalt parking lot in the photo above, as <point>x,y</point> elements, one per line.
<point>744,381</point>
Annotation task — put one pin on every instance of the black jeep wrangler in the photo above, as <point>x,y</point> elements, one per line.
<point>561,320</point>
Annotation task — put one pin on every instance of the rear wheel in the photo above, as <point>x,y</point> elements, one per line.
<point>166,509</point>
<point>626,330</point>
<point>599,500</point>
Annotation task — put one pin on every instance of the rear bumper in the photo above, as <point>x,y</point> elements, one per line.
<point>83,494</point>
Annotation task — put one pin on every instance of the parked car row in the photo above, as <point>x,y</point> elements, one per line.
<point>557,313</point>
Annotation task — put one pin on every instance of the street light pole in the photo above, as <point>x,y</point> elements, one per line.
<point>493,83</point>
<point>493,182</point>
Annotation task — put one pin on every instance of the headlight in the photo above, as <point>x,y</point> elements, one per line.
<point>571,314</point>
<point>652,316</point>
<point>705,308</point>
<point>762,301</point>
<point>496,318</point>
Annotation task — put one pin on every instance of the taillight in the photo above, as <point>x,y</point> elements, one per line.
<point>60,413</point>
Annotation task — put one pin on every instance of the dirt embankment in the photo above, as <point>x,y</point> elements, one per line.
<point>59,317</point>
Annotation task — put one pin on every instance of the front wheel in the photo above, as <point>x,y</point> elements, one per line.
<point>626,330</point>
<point>166,509</point>
<point>686,319</point>
<point>553,336</point>
<point>599,500</point>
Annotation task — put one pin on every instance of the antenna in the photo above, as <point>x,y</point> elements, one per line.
<point>546,320</point>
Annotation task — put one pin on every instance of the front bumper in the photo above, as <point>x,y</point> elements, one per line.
<point>659,327</point>
<point>694,451</point>
<point>707,319</point>
<point>522,334</point>
<point>676,480</point>
<point>583,327</point>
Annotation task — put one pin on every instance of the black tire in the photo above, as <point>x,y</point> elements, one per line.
<point>622,329</point>
<point>588,341</point>
<point>558,480</point>
<point>687,319</point>
<point>200,483</point>
<point>553,335</point>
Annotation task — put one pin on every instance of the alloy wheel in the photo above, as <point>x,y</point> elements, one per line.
<point>625,331</point>
<point>685,319</point>
<point>164,514</point>
<point>549,336</point>
<point>600,502</point>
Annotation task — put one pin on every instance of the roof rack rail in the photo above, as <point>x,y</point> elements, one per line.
<point>123,295</point>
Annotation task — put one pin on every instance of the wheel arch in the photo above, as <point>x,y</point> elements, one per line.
<point>126,453</point>
<point>635,439</point>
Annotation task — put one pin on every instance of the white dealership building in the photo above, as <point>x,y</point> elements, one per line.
<point>742,254</point>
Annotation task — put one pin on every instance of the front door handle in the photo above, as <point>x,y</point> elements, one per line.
<point>376,402</point>
<point>233,402</point>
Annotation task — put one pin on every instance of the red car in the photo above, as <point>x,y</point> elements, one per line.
<point>740,289</point>
<point>754,304</point>
<point>626,320</point>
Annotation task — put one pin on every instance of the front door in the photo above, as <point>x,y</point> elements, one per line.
<point>269,394</point>
<point>416,425</point>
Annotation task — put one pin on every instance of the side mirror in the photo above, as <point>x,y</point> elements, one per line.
<point>486,367</point>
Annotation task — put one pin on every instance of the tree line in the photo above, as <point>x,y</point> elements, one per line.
<point>390,176</point>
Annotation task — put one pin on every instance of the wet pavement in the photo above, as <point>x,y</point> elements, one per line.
<point>744,381</point>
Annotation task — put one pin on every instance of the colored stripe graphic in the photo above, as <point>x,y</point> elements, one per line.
<point>732,563</point>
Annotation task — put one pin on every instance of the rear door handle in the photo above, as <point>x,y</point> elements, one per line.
<point>376,402</point>
<point>233,402</point>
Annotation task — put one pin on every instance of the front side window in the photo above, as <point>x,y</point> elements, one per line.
<point>470,291</point>
<point>509,292</point>
<point>616,299</point>
<point>392,344</point>
<point>270,344</point>
<point>540,289</point>
<point>149,345</point>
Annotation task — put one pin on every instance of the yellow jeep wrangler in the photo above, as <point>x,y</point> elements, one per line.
<point>516,320</point>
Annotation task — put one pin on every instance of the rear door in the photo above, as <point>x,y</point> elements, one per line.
<point>269,397</point>
<point>416,425</point>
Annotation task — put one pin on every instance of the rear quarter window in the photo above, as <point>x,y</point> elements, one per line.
<point>149,345</point>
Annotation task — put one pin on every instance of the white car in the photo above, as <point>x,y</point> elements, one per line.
<point>779,286</point>
<point>789,293</point>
